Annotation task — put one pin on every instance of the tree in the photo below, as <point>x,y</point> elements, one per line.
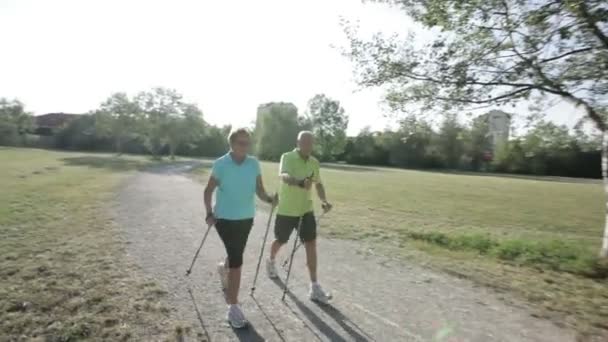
<point>412,145</point>
<point>329,124</point>
<point>510,158</point>
<point>15,122</point>
<point>161,108</point>
<point>82,133</point>
<point>478,142</point>
<point>365,149</point>
<point>492,53</point>
<point>118,118</point>
<point>184,126</point>
<point>451,143</point>
<point>550,150</point>
<point>276,129</point>
<point>213,143</point>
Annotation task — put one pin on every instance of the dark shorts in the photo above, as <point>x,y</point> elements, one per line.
<point>234,234</point>
<point>284,225</point>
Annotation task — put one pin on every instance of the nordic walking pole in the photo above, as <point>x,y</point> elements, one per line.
<point>257,269</point>
<point>293,251</point>
<point>198,250</point>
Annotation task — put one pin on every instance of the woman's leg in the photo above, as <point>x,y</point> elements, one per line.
<point>234,284</point>
<point>241,231</point>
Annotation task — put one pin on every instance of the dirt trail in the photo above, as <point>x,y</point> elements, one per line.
<point>375,299</point>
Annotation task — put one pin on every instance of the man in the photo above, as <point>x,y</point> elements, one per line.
<point>299,170</point>
<point>236,177</point>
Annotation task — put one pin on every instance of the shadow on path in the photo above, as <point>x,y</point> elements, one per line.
<point>323,327</point>
<point>117,163</point>
<point>354,330</point>
<point>112,163</point>
<point>281,337</point>
<point>199,316</point>
<point>248,334</point>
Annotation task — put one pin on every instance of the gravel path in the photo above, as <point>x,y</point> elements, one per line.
<point>375,299</point>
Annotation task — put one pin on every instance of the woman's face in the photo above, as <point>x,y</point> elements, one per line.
<point>240,145</point>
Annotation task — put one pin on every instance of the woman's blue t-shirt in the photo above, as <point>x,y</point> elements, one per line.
<point>235,197</point>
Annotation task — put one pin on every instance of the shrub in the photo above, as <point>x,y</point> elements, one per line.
<point>555,255</point>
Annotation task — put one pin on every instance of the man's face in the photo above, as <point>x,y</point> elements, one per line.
<point>305,144</point>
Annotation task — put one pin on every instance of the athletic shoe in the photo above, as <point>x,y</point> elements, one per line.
<point>235,317</point>
<point>271,269</point>
<point>223,272</point>
<point>317,294</point>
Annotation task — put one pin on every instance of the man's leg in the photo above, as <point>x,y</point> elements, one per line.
<point>274,249</point>
<point>283,225</point>
<point>308,234</point>
<point>311,259</point>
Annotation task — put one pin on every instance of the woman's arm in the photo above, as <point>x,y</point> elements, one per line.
<point>261,191</point>
<point>208,195</point>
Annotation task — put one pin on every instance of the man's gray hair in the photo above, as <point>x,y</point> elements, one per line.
<point>304,133</point>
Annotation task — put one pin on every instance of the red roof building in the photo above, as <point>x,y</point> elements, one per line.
<point>46,124</point>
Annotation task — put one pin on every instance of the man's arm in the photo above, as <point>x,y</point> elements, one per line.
<point>321,192</point>
<point>289,180</point>
<point>208,194</point>
<point>316,176</point>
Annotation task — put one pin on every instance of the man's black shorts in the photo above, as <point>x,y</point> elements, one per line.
<point>284,225</point>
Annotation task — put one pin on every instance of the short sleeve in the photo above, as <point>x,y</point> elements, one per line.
<point>257,167</point>
<point>216,170</point>
<point>284,168</point>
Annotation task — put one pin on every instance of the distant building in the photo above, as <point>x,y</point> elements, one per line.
<point>48,124</point>
<point>499,124</point>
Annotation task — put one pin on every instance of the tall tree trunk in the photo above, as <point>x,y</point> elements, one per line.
<point>604,250</point>
<point>118,146</point>
<point>172,151</point>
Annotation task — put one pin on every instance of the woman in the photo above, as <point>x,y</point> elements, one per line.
<point>237,178</point>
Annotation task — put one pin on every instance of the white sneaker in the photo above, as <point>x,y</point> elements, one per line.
<point>235,317</point>
<point>223,272</point>
<point>271,269</point>
<point>317,294</point>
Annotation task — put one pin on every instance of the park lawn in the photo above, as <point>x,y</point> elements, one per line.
<point>63,271</point>
<point>537,238</point>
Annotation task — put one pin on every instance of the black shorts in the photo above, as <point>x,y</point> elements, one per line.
<point>234,234</point>
<point>284,225</point>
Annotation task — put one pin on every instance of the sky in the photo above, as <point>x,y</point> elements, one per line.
<point>226,56</point>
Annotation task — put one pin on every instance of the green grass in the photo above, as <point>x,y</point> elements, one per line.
<point>537,238</point>
<point>63,271</point>
<point>402,204</point>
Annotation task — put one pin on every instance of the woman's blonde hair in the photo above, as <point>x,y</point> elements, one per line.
<point>236,132</point>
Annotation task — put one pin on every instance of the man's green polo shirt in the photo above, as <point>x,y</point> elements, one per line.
<point>294,200</point>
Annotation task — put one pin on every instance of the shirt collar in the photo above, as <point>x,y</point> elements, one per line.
<point>297,151</point>
<point>229,156</point>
